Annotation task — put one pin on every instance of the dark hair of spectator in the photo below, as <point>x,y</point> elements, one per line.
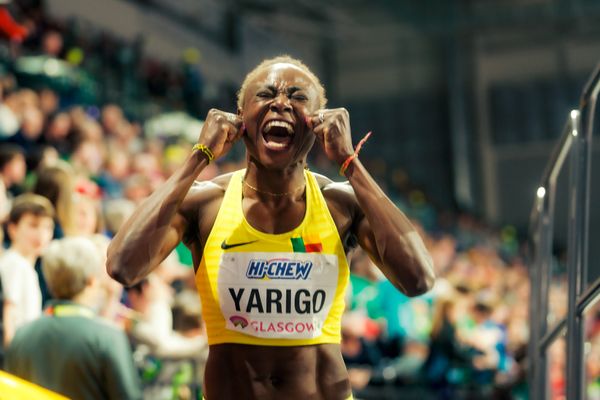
<point>8,152</point>
<point>30,204</point>
<point>56,183</point>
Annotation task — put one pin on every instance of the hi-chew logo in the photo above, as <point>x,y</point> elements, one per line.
<point>279,268</point>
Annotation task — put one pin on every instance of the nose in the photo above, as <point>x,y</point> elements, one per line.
<point>281,103</point>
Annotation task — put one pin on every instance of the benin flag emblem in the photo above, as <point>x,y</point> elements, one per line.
<point>310,243</point>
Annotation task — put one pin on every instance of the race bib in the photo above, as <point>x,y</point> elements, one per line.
<point>277,295</point>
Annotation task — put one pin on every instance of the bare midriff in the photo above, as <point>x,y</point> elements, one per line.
<point>237,371</point>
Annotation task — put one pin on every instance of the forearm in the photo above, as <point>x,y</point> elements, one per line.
<point>402,254</point>
<point>8,321</point>
<point>136,248</point>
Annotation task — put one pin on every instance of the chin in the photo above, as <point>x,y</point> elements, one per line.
<point>275,164</point>
<point>274,159</point>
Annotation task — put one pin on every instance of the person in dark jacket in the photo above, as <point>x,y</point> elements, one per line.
<point>70,350</point>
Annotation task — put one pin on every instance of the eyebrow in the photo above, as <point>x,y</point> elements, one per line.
<point>290,90</point>
<point>293,89</point>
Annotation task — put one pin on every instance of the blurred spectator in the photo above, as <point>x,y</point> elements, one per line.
<point>360,353</point>
<point>70,350</point>
<point>88,157</point>
<point>11,114</point>
<point>49,101</point>
<point>88,215</point>
<point>52,43</point>
<point>12,172</point>
<point>110,291</point>
<point>58,133</point>
<point>112,118</point>
<point>57,184</point>
<point>126,137</point>
<point>364,278</point>
<point>115,173</point>
<point>117,212</point>
<point>175,377</point>
<point>490,341</point>
<point>448,358</point>
<point>30,227</point>
<point>8,26</point>
<point>136,188</point>
<point>151,299</point>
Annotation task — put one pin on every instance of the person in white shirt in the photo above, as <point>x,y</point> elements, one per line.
<point>30,228</point>
<point>12,172</point>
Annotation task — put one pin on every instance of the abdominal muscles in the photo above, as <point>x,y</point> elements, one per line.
<point>259,372</point>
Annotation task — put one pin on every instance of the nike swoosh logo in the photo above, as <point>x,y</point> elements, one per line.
<point>226,246</point>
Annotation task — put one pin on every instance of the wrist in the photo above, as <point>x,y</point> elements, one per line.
<point>346,163</point>
<point>350,159</point>
<point>196,162</point>
<point>350,167</point>
<point>203,151</point>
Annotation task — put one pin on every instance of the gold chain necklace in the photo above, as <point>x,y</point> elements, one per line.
<point>271,193</point>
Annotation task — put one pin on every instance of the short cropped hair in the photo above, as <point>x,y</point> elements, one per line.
<point>283,59</point>
<point>69,264</point>
<point>30,203</point>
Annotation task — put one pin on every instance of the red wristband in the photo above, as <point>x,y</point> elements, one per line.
<point>348,160</point>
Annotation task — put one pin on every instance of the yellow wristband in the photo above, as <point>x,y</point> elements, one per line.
<point>209,154</point>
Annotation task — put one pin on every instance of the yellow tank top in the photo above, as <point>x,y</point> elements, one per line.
<point>264,289</point>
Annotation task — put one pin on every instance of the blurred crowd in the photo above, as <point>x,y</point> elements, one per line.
<point>70,175</point>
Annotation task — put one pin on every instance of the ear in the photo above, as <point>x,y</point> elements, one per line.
<point>240,114</point>
<point>92,281</point>
<point>11,228</point>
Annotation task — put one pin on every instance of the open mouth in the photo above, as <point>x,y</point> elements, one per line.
<point>278,135</point>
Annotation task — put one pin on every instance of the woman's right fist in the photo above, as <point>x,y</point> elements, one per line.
<point>220,130</point>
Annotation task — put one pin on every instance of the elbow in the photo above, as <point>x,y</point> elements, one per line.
<point>415,277</point>
<point>117,271</point>
<point>421,282</point>
<point>423,275</point>
<point>421,285</point>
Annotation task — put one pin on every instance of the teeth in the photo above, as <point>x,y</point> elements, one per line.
<point>275,145</point>
<point>279,124</point>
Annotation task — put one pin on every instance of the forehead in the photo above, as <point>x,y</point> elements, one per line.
<point>283,74</point>
<point>29,217</point>
<point>17,159</point>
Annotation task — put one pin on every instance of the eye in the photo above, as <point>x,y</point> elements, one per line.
<point>264,94</point>
<point>299,97</point>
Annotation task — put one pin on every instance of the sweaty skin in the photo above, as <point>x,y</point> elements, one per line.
<point>183,209</point>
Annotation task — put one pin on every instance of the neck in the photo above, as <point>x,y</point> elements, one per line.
<point>85,298</point>
<point>275,182</point>
<point>24,251</point>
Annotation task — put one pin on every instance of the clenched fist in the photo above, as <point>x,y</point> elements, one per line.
<point>332,128</point>
<point>220,131</point>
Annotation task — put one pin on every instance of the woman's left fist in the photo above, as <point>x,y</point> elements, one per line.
<point>332,128</point>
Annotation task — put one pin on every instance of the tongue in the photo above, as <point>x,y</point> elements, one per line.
<point>275,142</point>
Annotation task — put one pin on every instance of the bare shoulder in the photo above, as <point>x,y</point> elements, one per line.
<point>335,191</point>
<point>339,196</point>
<point>203,192</point>
<point>201,205</point>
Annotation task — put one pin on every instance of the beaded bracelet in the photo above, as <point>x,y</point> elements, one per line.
<point>348,160</point>
<point>208,152</point>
